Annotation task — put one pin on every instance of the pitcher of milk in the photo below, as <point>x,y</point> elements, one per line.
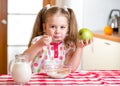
<point>20,69</point>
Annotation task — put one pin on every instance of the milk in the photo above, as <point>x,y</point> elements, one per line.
<point>21,72</point>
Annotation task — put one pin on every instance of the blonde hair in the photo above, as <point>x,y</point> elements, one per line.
<point>45,13</point>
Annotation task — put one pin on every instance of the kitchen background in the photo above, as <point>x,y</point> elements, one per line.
<point>92,14</point>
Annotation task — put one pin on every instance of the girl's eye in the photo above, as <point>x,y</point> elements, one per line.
<point>52,26</point>
<point>62,27</point>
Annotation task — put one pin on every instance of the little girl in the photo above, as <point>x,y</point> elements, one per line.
<point>54,39</point>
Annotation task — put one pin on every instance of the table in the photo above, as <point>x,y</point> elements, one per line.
<point>82,78</point>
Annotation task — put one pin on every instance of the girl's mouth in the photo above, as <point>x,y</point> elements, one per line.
<point>56,37</point>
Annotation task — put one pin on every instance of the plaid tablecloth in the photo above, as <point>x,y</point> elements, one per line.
<point>82,78</point>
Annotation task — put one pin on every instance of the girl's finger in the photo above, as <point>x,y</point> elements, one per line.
<point>91,40</point>
<point>86,42</point>
<point>81,42</point>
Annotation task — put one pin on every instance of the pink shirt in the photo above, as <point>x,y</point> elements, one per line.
<point>55,53</point>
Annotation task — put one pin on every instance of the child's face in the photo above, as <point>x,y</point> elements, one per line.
<point>57,27</point>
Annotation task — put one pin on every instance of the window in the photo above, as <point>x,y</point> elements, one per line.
<point>21,18</point>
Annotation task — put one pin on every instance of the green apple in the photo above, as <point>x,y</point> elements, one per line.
<point>85,34</point>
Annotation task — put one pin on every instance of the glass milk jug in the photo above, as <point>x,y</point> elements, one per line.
<point>20,69</point>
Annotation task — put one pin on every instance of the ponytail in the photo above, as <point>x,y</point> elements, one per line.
<point>73,29</point>
<point>38,28</point>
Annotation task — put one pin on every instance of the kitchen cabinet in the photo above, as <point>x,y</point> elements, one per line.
<point>102,54</point>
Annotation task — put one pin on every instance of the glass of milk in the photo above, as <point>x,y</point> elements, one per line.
<point>20,69</point>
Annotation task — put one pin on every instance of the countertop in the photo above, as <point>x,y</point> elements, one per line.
<point>114,37</point>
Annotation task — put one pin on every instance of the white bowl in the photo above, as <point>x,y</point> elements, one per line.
<point>61,71</point>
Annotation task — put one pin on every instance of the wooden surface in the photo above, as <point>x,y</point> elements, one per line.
<point>51,2</point>
<point>114,37</point>
<point>3,37</point>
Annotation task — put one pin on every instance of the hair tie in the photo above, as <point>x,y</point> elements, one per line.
<point>47,6</point>
<point>65,8</point>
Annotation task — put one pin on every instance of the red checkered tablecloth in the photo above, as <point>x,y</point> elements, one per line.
<point>82,78</point>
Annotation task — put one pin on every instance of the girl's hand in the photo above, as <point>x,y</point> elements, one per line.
<point>82,43</point>
<point>45,40</point>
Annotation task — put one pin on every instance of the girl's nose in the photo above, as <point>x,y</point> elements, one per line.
<point>57,30</point>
